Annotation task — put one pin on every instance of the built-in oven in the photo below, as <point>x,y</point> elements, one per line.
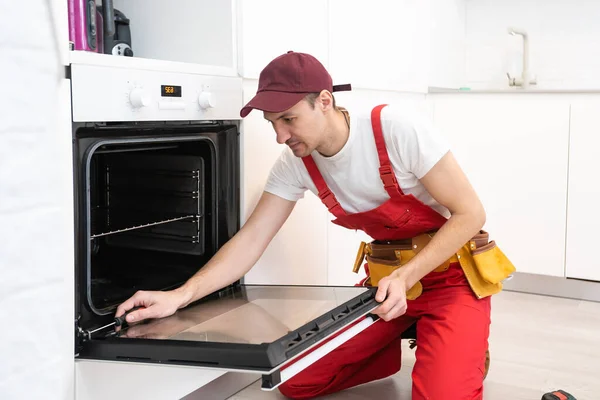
<point>157,185</point>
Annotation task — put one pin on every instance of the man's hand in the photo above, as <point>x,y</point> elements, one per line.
<point>393,290</point>
<point>154,305</point>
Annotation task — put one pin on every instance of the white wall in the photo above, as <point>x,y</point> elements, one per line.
<point>269,28</point>
<point>36,209</point>
<point>195,31</point>
<point>563,36</point>
<point>383,44</point>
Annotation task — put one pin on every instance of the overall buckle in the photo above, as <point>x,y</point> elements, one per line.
<point>387,176</point>
<point>328,198</point>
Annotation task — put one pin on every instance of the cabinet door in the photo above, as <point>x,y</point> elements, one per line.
<point>380,45</point>
<point>514,151</point>
<point>447,52</point>
<point>584,192</point>
<point>298,253</point>
<point>270,28</point>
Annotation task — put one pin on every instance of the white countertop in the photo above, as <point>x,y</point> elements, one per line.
<point>514,90</point>
<point>139,63</point>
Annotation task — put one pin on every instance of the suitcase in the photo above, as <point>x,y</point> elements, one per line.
<point>87,26</point>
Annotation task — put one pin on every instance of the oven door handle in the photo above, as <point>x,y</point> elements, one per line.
<point>275,378</point>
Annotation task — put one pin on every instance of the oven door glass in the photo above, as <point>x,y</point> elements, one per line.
<point>248,328</point>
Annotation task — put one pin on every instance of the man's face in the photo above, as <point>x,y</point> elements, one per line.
<point>301,127</point>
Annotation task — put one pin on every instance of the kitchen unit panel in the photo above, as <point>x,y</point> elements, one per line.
<point>584,192</point>
<point>514,150</point>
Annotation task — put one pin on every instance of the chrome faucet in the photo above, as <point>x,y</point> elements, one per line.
<point>526,79</point>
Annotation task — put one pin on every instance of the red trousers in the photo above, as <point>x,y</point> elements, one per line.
<point>452,328</point>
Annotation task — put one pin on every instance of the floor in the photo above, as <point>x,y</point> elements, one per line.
<point>537,344</point>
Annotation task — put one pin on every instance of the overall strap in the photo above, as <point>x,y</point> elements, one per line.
<point>325,194</point>
<point>386,171</point>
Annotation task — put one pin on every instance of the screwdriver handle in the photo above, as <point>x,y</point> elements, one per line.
<point>558,395</point>
<point>121,320</point>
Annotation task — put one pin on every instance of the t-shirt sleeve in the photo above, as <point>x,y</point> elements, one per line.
<point>419,143</point>
<point>285,179</point>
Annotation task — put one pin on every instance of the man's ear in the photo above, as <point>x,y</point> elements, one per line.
<point>325,100</point>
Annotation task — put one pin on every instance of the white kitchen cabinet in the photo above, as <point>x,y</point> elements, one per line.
<point>584,192</point>
<point>404,45</point>
<point>383,44</point>
<point>298,253</point>
<point>342,249</point>
<point>514,149</point>
<point>447,44</point>
<point>269,28</point>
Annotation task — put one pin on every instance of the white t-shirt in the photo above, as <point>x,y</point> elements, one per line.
<point>412,144</point>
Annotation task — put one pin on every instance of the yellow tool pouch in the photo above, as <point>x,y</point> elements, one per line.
<point>491,263</point>
<point>484,264</point>
<point>485,267</point>
<point>383,259</point>
<point>380,268</point>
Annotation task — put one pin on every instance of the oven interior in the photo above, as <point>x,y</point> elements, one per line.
<point>153,211</point>
<point>148,209</point>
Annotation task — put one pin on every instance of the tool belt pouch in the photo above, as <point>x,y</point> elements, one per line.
<point>379,268</point>
<point>485,265</point>
<point>491,263</point>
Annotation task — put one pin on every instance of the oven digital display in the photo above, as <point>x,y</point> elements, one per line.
<point>170,91</point>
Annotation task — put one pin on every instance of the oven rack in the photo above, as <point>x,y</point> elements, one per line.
<point>159,221</point>
<point>132,170</point>
<point>124,191</point>
<point>194,239</point>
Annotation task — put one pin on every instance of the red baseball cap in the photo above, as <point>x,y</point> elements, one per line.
<point>288,79</point>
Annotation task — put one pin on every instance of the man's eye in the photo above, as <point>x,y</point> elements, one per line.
<point>288,120</point>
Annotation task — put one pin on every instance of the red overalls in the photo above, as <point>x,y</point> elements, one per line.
<point>452,324</point>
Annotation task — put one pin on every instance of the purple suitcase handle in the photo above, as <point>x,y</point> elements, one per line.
<point>108,12</point>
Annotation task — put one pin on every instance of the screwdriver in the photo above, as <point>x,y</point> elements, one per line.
<point>118,321</point>
<point>558,395</point>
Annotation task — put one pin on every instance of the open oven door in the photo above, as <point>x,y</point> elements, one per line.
<point>274,330</point>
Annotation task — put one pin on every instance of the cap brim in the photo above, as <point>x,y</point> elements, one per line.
<point>272,102</point>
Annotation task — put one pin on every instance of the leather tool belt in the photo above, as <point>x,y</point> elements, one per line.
<point>484,264</point>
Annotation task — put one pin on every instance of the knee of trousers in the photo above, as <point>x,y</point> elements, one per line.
<point>449,387</point>
<point>292,390</point>
<point>300,392</point>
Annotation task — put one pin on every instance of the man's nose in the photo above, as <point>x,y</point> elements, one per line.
<point>282,135</point>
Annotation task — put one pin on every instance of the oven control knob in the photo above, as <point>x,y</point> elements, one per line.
<point>138,98</point>
<point>206,100</point>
